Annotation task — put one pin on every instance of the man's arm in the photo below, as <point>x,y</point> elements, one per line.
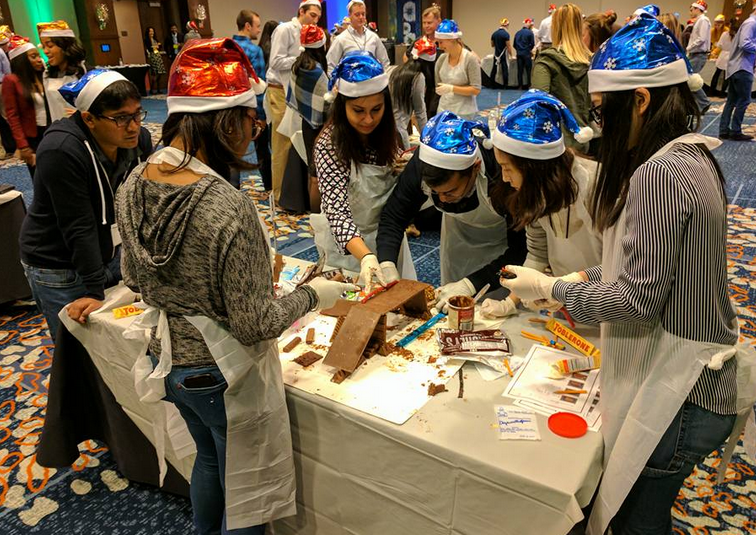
<point>280,60</point>
<point>402,206</point>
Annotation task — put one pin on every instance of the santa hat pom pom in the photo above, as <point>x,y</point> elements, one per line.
<point>329,97</point>
<point>487,143</point>
<point>584,135</point>
<point>695,82</point>
<point>301,49</point>
<point>258,86</point>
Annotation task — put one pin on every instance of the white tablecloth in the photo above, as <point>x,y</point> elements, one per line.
<point>443,472</point>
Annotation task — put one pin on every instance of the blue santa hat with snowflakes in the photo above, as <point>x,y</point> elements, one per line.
<point>651,9</point>
<point>448,29</point>
<point>82,93</point>
<point>643,53</point>
<point>531,127</point>
<point>358,74</point>
<point>450,142</point>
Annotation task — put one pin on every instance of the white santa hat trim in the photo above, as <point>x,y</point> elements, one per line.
<point>352,3</point>
<point>247,99</point>
<point>364,88</point>
<point>315,3</point>
<point>94,87</point>
<point>699,6</point>
<point>451,35</point>
<point>523,149</point>
<point>426,57</point>
<point>601,80</point>
<point>316,44</point>
<point>445,160</point>
<point>23,49</point>
<point>56,33</point>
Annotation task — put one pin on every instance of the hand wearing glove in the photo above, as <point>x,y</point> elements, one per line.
<point>444,89</point>
<point>529,284</point>
<point>329,291</point>
<point>390,273</point>
<point>447,291</point>
<point>552,305</point>
<point>369,268</point>
<point>493,308</point>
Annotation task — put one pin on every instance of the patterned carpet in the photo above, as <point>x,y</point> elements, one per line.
<point>91,497</point>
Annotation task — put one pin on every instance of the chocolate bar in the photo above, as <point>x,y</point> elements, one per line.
<point>291,345</point>
<point>452,341</point>
<point>310,338</point>
<point>307,359</point>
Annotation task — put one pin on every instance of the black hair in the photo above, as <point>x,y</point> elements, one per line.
<point>547,187</point>
<point>114,97</point>
<point>27,75</point>
<point>671,113</point>
<point>147,40</point>
<point>309,58</point>
<point>216,133</point>
<point>75,56</point>
<point>400,84</point>
<point>349,146</point>
<point>435,176</point>
<point>265,39</point>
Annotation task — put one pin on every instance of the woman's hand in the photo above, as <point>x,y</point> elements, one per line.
<point>28,156</point>
<point>444,89</point>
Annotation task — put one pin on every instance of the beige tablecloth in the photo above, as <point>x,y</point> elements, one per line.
<point>443,472</point>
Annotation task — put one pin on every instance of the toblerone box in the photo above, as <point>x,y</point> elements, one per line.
<point>572,338</point>
<point>126,311</point>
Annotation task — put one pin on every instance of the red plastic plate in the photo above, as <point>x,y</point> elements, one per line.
<point>568,425</point>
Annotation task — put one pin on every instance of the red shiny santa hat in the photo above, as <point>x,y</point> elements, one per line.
<point>527,21</point>
<point>700,4</point>
<point>552,7</point>
<point>424,49</point>
<point>212,74</point>
<point>311,36</point>
<point>18,45</point>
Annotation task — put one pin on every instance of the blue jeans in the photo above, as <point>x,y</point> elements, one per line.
<point>697,63</point>
<point>692,436</point>
<point>204,411</point>
<point>738,99</point>
<point>53,289</point>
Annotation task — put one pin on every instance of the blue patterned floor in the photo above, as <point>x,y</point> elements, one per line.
<point>92,498</point>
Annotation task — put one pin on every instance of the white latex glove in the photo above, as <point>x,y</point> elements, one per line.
<point>493,308</point>
<point>447,291</point>
<point>369,268</point>
<point>390,273</point>
<point>444,89</point>
<point>529,284</point>
<point>329,291</point>
<point>552,305</point>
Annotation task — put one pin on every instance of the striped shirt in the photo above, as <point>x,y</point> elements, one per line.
<point>673,268</point>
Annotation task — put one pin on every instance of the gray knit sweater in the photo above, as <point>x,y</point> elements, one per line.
<point>200,250</point>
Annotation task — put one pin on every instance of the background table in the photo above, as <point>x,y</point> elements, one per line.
<point>13,284</point>
<point>136,73</point>
<point>444,471</point>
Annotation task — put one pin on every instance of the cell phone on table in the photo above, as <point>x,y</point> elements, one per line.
<point>203,380</point>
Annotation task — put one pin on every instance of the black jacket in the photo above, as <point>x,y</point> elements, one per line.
<point>64,226</point>
<point>408,198</point>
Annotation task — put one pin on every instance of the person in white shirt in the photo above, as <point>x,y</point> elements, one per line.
<point>543,35</point>
<point>284,50</point>
<point>699,46</point>
<point>356,37</point>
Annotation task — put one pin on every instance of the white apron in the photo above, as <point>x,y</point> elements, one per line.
<point>646,376</point>
<point>370,186</point>
<point>473,239</point>
<point>259,479</point>
<point>465,107</point>
<point>59,108</point>
<point>577,246</point>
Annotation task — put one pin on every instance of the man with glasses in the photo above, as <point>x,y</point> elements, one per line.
<point>70,246</point>
<point>455,172</point>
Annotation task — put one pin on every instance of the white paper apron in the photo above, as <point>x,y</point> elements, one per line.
<point>369,188</point>
<point>573,244</point>
<point>472,239</point>
<point>59,108</point>
<point>465,107</point>
<point>260,482</point>
<point>646,376</point>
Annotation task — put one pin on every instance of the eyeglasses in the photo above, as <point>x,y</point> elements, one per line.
<point>595,114</point>
<point>122,121</point>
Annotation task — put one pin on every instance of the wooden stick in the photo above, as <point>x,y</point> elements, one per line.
<point>461,384</point>
<point>509,369</point>
<point>567,392</point>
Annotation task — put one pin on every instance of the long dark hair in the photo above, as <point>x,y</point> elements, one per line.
<point>349,147</point>
<point>265,38</point>
<point>216,133</point>
<point>547,187</point>
<point>27,75</point>
<point>75,56</point>
<point>147,40</point>
<point>401,82</point>
<point>671,113</point>
<point>309,59</point>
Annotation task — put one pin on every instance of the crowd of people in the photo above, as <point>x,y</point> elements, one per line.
<point>564,189</point>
